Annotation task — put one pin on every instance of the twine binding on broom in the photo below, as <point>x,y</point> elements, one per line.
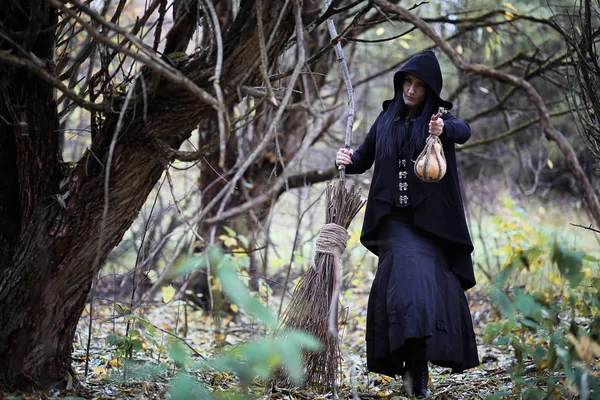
<point>332,240</point>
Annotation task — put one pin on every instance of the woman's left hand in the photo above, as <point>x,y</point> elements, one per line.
<point>436,126</point>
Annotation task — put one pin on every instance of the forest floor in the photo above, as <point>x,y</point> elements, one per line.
<point>105,376</point>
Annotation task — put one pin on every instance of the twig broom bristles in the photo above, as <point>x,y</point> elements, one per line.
<point>313,307</point>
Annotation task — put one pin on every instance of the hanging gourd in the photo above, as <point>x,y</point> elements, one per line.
<point>430,166</point>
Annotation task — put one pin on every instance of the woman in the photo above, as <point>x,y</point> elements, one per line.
<point>417,308</point>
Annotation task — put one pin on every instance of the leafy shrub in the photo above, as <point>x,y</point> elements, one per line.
<point>255,359</point>
<point>555,331</point>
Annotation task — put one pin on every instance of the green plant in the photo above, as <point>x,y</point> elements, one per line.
<point>125,345</point>
<point>128,345</point>
<point>248,361</point>
<point>554,330</point>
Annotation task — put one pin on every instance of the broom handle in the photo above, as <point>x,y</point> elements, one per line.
<point>346,74</point>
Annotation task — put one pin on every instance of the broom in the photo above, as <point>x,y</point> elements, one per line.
<point>313,307</point>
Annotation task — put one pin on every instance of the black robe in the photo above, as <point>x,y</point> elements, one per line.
<point>438,207</point>
<point>424,260</point>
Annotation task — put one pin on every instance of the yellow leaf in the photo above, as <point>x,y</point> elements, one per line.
<point>234,308</point>
<point>216,284</point>
<point>459,49</point>
<point>99,370</point>
<point>404,44</point>
<point>542,210</point>
<point>354,239</point>
<point>380,31</point>
<point>228,241</point>
<point>152,276</point>
<point>508,5</point>
<point>168,292</point>
<point>230,231</point>
<point>278,262</point>
<point>114,362</point>
<point>508,15</point>
<point>356,124</point>
<point>550,164</point>
<point>543,364</point>
<point>489,29</point>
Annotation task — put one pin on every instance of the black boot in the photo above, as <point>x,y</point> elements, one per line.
<point>418,369</point>
<point>420,378</point>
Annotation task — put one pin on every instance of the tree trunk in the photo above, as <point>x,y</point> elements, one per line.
<point>51,238</point>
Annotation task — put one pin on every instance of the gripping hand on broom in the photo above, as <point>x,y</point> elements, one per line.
<point>343,156</point>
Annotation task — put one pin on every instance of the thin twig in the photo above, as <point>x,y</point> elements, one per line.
<point>509,132</point>
<point>222,117</point>
<point>137,257</point>
<point>96,264</point>
<point>589,228</point>
<point>36,66</point>
<point>264,63</point>
<point>179,210</point>
<point>346,74</point>
<point>90,329</point>
<point>294,245</point>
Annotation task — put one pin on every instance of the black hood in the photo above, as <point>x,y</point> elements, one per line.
<point>426,67</point>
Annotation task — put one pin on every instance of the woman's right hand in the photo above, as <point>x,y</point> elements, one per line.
<point>343,156</point>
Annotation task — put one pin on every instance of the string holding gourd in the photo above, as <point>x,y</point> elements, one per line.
<point>430,165</point>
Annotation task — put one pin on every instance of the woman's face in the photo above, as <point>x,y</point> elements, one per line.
<point>413,92</point>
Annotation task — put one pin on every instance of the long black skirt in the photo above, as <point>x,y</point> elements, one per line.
<point>416,296</point>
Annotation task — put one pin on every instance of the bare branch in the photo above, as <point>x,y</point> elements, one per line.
<point>150,60</point>
<point>331,10</point>
<point>222,117</point>
<point>179,210</point>
<point>589,228</point>
<point>551,132</point>
<point>264,63</point>
<point>346,74</point>
<point>334,41</point>
<point>159,24</point>
<point>107,171</point>
<point>352,39</point>
<point>36,66</point>
<point>186,13</point>
<point>509,132</point>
